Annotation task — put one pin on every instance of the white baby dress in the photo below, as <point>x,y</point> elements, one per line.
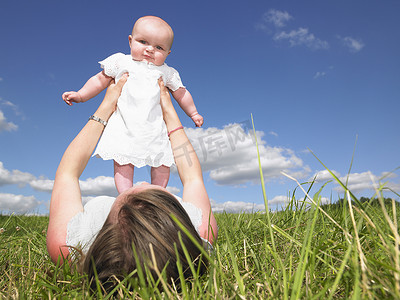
<point>136,133</point>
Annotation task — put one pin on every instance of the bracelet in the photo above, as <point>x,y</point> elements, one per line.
<point>173,130</point>
<point>95,118</point>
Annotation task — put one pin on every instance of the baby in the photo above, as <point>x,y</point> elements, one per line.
<point>136,134</point>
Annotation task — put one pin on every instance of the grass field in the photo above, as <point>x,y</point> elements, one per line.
<point>347,250</point>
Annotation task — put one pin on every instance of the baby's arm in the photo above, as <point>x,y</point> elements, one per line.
<point>185,101</point>
<point>92,88</point>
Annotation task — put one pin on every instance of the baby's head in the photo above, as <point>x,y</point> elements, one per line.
<point>151,40</point>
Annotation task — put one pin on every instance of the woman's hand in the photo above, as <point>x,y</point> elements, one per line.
<point>165,98</point>
<point>109,103</point>
<point>170,116</point>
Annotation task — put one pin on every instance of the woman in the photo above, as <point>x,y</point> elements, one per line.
<point>138,220</point>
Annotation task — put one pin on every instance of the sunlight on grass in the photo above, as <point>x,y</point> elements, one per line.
<point>348,249</point>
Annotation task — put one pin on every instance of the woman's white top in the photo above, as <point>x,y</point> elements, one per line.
<point>83,228</point>
<point>136,133</point>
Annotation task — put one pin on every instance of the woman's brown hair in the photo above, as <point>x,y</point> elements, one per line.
<point>144,224</point>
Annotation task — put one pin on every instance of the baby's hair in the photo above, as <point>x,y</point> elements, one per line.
<point>143,225</point>
<point>160,21</point>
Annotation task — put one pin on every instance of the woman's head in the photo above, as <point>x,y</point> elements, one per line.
<point>143,222</point>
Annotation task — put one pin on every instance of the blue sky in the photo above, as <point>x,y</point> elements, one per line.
<point>316,75</point>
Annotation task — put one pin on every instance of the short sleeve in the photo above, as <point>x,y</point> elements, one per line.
<point>193,212</point>
<point>173,80</point>
<point>112,65</point>
<point>83,228</point>
<point>196,216</point>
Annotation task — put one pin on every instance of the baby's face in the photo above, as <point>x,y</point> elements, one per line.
<point>150,41</point>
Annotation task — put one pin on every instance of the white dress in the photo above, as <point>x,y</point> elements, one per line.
<point>83,228</point>
<point>136,133</point>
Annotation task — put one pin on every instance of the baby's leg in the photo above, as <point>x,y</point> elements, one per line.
<point>160,175</point>
<point>123,176</point>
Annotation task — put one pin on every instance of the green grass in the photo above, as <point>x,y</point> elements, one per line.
<point>353,253</point>
<point>348,250</point>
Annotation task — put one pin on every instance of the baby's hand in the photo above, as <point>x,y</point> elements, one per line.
<point>197,119</point>
<point>70,97</point>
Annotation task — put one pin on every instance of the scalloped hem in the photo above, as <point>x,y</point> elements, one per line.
<point>137,162</point>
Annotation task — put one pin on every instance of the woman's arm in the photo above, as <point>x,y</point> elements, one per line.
<point>66,196</point>
<point>189,168</point>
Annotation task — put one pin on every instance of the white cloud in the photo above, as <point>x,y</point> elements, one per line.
<point>298,37</point>
<point>98,186</point>
<point>236,207</point>
<point>357,182</point>
<point>393,186</point>
<point>101,185</point>
<point>6,126</point>
<point>276,203</point>
<point>325,200</point>
<point>301,37</point>
<point>8,103</point>
<point>324,175</point>
<point>354,45</point>
<point>42,184</point>
<point>17,203</point>
<point>322,201</point>
<point>279,200</point>
<point>273,133</point>
<point>319,74</point>
<point>12,106</point>
<point>14,177</point>
<point>230,155</point>
<point>173,190</point>
<point>274,20</point>
<point>282,201</point>
<point>277,18</point>
<point>388,175</point>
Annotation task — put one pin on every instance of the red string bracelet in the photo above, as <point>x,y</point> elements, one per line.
<point>173,130</point>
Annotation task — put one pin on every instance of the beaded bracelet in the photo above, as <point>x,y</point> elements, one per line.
<point>173,130</point>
